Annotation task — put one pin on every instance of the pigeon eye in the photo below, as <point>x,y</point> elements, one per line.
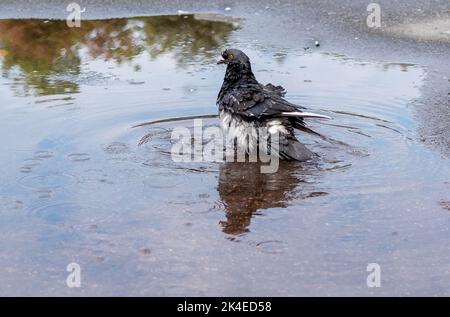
<point>230,56</point>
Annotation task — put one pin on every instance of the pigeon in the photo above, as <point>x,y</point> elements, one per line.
<point>245,104</point>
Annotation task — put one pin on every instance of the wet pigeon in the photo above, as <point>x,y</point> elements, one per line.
<point>245,103</point>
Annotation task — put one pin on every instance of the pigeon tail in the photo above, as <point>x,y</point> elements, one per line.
<point>294,150</point>
<point>290,148</point>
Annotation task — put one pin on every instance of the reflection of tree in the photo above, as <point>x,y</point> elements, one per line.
<point>186,36</point>
<point>113,39</point>
<point>39,49</point>
<point>45,51</point>
<point>244,190</point>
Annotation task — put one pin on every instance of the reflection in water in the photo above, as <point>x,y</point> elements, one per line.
<point>45,51</point>
<point>404,67</point>
<point>244,190</point>
<point>190,37</point>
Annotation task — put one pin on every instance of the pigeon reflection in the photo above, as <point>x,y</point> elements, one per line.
<point>245,191</point>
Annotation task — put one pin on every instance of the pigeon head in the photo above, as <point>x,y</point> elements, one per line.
<point>234,56</point>
<point>238,64</point>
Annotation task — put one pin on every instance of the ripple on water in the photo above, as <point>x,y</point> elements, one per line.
<point>445,204</point>
<point>10,204</point>
<point>117,148</point>
<point>30,164</point>
<point>51,180</point>
<point>26,169</point>
<point>44,154</point>
<point>79,157</point>
<point>44,193</point>
<point>271,247</point>
<point>60,105</point>
<point>72,214</point>
<point>97,175</point>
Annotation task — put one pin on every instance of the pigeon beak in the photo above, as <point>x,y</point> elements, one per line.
<point>223,61</point>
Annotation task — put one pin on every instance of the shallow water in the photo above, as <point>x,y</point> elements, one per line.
<point>76,187</point>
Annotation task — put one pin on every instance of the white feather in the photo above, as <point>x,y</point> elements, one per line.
<point>277,126</point>
<point>243,132</point>
<point>305,115</point>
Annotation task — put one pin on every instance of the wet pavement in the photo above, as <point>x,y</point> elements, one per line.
<point>77,187</point>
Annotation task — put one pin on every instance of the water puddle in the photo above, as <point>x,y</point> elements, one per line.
<point>86,180</point>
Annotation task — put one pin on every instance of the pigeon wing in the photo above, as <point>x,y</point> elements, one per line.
<point>277,89</point>
<point>255,101</point>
